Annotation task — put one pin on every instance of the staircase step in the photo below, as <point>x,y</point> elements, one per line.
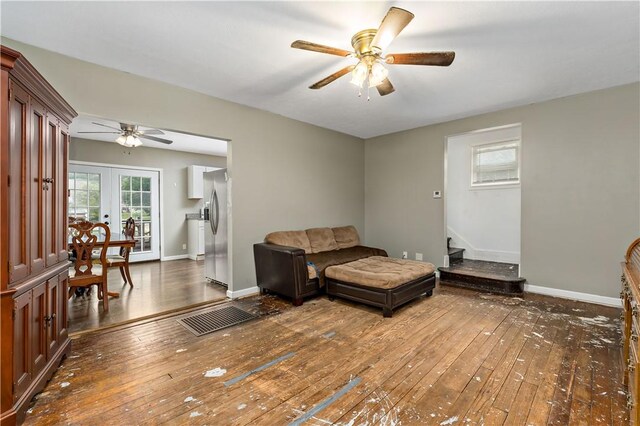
<point>455,255</point>
<point>493,277</point>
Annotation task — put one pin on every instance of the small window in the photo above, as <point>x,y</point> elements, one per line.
<point>496,163</point>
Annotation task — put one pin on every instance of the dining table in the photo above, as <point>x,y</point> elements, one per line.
<point>115,240</point>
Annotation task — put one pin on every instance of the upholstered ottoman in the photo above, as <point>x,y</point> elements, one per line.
<point>381,281</point>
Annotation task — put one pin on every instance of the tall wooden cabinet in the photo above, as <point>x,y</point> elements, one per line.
<point>34,122</point>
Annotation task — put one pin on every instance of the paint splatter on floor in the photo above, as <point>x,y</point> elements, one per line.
<point>216,372</point>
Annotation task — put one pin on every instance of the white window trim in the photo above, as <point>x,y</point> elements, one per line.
<point>496,185</point>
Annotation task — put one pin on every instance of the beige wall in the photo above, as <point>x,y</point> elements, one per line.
<point>174,173</point>
<point>580,188</point>
<point>286,174</point>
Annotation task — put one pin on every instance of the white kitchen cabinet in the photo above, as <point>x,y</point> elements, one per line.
<point>195,238</point>
<point>195,182</point>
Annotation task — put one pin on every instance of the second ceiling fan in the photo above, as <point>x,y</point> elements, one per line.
<point>369,46</point>
<point>130,134</point>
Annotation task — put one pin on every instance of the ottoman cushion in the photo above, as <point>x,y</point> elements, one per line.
<point>380,272</point>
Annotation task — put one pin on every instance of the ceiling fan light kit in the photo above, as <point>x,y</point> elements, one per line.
<point>369,46</point>
<point>129,141</point>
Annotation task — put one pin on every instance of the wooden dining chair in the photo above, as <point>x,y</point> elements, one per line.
<point>122,260</point>
<point>87,270</point>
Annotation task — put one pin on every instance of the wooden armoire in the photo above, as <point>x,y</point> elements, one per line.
<point>34,122</point>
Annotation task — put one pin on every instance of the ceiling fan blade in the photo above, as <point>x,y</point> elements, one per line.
<point>114,133</point>
<point>393,23</point>
<point>442,59</point>
<point>336,75</point>
<point>385,87</point>
<point>109,127</point>
<point>307,45</point>
<point>153,138</point>
<point>151,132</point>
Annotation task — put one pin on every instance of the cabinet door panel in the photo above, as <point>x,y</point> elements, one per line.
<point>38,329</point>
<point>52,329</point>
<point>22,345</point>
<point>58,313</point>
<point>50,210</point>
<point>18,232</point>
<point>35,186</point>
<point>61,183</point>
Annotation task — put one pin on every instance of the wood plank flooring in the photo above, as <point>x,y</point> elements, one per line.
<point>459,357</point>
<point>157,287</point>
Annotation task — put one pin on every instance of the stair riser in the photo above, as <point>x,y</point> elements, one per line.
<point>482,284</point>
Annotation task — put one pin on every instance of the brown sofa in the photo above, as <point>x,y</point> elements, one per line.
<point>292,263</point>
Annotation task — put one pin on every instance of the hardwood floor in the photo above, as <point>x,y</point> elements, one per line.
<point>459,357</point>
<point>158,287</point>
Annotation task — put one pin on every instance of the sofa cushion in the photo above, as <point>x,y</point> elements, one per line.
<point>346,236</point>
<point>379,272</point>
<point>296,239</point>
<point>321,239</point>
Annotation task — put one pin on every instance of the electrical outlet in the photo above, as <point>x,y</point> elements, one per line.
<point>405,254</point>
<point>184,247</point>
<point>418,256</point>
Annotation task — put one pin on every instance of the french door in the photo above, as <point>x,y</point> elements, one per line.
<point>113,195</point>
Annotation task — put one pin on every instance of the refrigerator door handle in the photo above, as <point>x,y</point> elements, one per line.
<point>217,210</point>
<point>211,198</point>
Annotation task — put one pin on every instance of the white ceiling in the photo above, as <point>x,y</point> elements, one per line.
<point>507,53</point>
<point>181,141</point>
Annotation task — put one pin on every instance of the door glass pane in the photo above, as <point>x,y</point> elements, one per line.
<point>135,197</point>
<point>135,183</point>
<point>84,196</point>
<point>125,183</point>
<point>94,182</point>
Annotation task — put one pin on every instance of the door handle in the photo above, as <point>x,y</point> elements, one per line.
<point>217,210</point>
<point>211,221</point>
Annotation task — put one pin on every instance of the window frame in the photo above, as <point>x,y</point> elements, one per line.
<point>500,184</point>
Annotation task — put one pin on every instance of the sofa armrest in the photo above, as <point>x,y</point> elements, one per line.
<point>281,269</point>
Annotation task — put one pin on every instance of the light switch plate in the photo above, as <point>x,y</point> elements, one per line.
<point>418,256</point>
<point>437,194</point>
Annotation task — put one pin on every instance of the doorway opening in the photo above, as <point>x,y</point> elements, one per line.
<point>482,209</point>
<point>158,181</point>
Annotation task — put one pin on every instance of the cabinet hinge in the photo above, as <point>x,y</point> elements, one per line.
<point>13,388</point>
<point>10,93</point>
<point>8,180</point>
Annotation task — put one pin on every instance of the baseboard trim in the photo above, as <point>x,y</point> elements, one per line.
<point>574,295</point>
<point>243,293</point>
<point>176,257</point>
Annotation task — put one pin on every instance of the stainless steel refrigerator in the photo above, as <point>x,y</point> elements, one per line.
<point>215,227</point>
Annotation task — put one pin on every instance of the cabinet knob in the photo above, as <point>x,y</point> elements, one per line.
<point>48,319</point>
<point>47,180</point>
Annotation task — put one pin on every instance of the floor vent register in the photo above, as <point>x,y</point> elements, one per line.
<point>214,320</point>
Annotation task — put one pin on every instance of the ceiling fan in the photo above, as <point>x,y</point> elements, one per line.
<point>130,135</point>
<point>369,46</point>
